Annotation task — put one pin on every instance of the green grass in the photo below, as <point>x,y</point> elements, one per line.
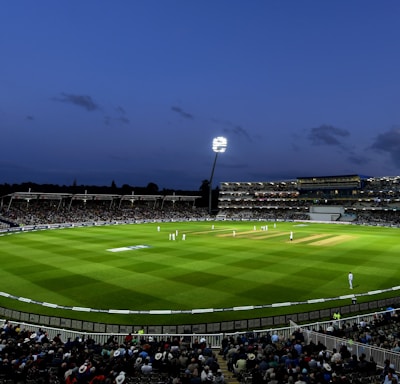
<point>210,269</point>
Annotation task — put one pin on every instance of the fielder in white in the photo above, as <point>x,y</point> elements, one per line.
<point>350,280</point>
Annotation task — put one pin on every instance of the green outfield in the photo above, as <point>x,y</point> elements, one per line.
<point>218,265</point>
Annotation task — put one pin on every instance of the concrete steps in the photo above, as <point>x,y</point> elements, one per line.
<point>229,378</point>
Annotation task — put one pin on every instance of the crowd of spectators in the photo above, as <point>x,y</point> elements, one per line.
<point>372,201</point>
<point>36,213</point>
<point>237,201</point>
<point>268,215</point>
<point>378,218</point>
<point>383,331</point>
<point>275,359</point>
<point>31,357</point>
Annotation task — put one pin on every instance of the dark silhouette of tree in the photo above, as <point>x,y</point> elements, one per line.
<point>204,186</point>
<point>215,196</point>
<point>126,189</point>
<point>113,186</point>
<point>152,189</point>
<point>74,187</point>
<point>204,192</point>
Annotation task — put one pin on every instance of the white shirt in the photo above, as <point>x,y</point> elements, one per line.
<point>350,276</point>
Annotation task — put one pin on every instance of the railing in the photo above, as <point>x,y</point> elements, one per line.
<point>378,355</point>
<point>214,340</point>
<point>258,325</point>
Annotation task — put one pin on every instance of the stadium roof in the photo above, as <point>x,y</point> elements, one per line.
<point>329,177</point>
<point>95,196</point>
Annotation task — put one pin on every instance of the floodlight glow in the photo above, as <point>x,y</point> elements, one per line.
<point>219,144</point>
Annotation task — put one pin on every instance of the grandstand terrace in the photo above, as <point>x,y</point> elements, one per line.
<point>331,183</point>
<point>34,208</point>
<point>357,199</point>
<point>371,200</point>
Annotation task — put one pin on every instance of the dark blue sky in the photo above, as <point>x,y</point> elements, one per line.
<point>135,91</point>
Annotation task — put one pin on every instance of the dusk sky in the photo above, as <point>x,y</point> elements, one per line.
<point>134,91</point>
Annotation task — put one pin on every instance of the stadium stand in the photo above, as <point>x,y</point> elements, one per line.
<point>374,201</point>
<point>30,209</point>
<point>350,198</point>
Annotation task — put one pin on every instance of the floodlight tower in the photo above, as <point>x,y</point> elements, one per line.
<point>219,145</point>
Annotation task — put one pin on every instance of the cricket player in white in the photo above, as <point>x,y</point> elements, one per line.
<point>351,280</point>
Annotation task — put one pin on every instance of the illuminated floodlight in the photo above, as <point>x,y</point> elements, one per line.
<point>219,145</point>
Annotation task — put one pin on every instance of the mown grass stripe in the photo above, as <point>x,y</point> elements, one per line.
<point>73,267</point>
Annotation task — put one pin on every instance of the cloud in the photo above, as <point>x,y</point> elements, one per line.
<point>230,127</point>
<point>327,135</point>
<point>358,159</point>
<point>83,101</point>
<point>238,130</point>
<point>181,112</point>
<point>123,120</point>
<point>389,142</point>
<point>108,120</point>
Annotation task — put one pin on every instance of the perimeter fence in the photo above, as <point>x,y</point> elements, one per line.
<point>224,327</point>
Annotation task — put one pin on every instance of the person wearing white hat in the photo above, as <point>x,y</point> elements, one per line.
<point>158,356</point>
<point>83,369</point>
<point>120,378</point>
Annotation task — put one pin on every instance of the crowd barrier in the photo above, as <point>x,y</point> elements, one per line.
<point>199,328</point>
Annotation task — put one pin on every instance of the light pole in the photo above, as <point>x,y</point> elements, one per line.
<point>219,145</point>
